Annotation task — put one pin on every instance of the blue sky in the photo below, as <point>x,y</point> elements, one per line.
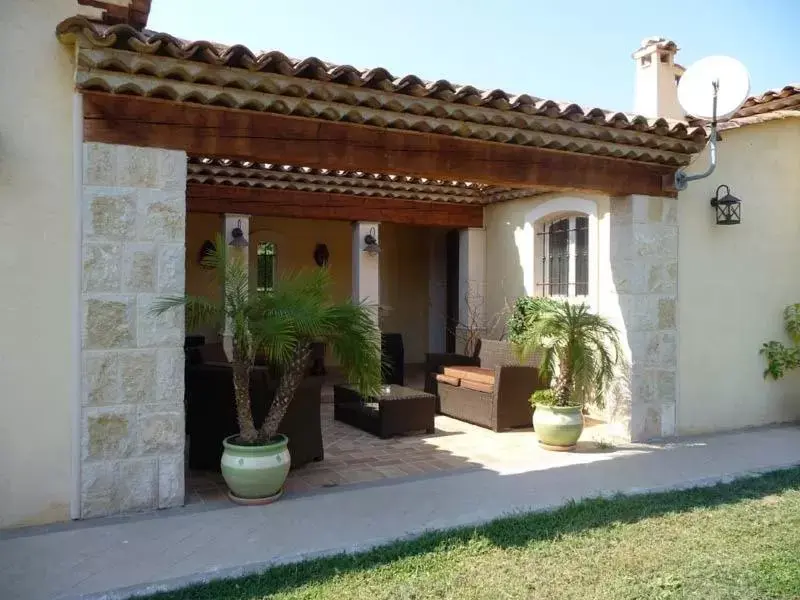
<point>572,50</point>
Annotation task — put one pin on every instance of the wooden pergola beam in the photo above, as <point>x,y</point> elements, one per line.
<point>266,137</point>
<point>212,198</point>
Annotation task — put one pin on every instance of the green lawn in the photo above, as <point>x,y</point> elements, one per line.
<point>736,541</point>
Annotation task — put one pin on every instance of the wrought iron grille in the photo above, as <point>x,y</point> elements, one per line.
<point>555,238</point>
<point>265,277</point>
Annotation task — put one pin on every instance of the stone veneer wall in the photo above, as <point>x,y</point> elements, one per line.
<point>132,421</point>
<point>642,301</point>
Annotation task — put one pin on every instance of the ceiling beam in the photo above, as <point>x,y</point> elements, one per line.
<point>209,198</point>
<point>248,135</point>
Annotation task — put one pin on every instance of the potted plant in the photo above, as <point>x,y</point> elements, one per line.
<point>280,326</point>
<point>579,353</point>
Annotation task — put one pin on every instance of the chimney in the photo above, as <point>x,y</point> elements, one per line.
<point>657,77</point>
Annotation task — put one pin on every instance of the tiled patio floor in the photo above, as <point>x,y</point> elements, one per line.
<point>353,456</point>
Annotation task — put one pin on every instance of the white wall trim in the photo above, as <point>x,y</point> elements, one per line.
<point>527,238</point>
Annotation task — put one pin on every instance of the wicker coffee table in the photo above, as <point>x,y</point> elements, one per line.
<point>400,410</point>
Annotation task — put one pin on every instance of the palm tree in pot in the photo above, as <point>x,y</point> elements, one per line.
<point>579,352</point>
<point>280,326</point>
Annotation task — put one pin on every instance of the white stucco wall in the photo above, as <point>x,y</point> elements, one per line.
<point>734,281</point>
<point>510,239</point>
<point>632,277</point>
<point>39,265</point>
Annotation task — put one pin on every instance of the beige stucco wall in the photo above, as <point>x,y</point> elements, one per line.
<point>734,281</point>
<point>403,266</point>
<point>404,286</point>
<point>39,265</point>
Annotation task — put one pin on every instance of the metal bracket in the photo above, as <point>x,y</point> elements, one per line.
<point>681,178</point>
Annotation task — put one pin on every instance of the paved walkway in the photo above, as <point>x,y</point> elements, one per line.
<point>116,558</point>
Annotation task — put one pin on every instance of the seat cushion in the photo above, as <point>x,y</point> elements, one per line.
<point>477,386</point>
<point>441,378</point>
<point>476,374</point>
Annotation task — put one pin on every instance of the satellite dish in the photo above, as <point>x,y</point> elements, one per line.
<point>715,79</point>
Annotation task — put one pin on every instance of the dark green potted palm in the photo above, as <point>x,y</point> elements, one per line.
<point>280,326</point>
<point>579,353</point>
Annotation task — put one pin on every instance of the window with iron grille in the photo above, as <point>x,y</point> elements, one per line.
<point>563,245</point>
<point>266,256</point>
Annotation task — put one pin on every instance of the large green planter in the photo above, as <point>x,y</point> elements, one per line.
<point>255,474</point>
<point>558,427</point>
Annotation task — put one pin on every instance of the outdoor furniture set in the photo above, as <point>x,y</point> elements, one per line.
<point>490,389</point>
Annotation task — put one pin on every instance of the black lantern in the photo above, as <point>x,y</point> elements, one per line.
<point>371,245</point>
<point>728,206</point>
<point>238,240</point>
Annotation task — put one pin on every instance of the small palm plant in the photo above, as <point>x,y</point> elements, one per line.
<point>579,350</point>
<point>282,325</point>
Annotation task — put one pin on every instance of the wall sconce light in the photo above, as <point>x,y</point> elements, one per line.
<point>206,250</point>
<point>371,245</point>
<point>238,241</point>
<point>728,207</point>
<point>321,255</point>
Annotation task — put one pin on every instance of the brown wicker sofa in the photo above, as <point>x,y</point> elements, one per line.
<point>211,413</point>
<point>491,389</point>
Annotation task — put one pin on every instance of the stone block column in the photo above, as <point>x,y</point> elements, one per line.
<point>366,268</point>
<point>640,297</point>
<point>132,417</point>
<point>471,286</point>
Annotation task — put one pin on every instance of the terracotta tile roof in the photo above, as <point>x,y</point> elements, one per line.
<point>779,103</point>
<point>357,183</point>
<point>771,100</point>
<point>123,37</point>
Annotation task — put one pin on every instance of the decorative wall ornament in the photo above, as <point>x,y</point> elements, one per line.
<point>205,250</point>
<point>321,255</point>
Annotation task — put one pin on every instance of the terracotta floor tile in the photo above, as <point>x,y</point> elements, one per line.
<point>355,456</point>
<point>395,471</point>
<point>410,469</point>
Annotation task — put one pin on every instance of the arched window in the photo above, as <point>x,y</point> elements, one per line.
<point>266,259</point>
<point>563,252</point>
<point>558,249</point>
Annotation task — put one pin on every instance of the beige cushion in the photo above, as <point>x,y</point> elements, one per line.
<point>477,386</point>
<point>477,374</point>
<point>447,379</point>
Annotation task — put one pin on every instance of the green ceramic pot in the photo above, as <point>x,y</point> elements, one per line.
<point>558,427</point>
<point>256,473</point>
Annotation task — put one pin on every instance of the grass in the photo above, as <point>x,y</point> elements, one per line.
<point>739,540</point>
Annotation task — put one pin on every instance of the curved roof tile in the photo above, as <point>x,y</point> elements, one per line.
<point>125,37</point>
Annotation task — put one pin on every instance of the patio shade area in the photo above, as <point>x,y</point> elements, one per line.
<point>353,456</point>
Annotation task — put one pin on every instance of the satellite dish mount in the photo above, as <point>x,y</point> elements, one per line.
<point>726,84</point>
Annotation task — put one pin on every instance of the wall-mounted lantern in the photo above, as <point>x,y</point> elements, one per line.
<point>238,240</point>
<point>728,207</point>
<point>371,245</point>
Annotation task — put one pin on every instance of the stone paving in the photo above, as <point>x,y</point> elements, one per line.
<point>118,557</point>
<point>354,456</point>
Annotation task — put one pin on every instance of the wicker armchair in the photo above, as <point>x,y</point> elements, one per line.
<point>491,389</point>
